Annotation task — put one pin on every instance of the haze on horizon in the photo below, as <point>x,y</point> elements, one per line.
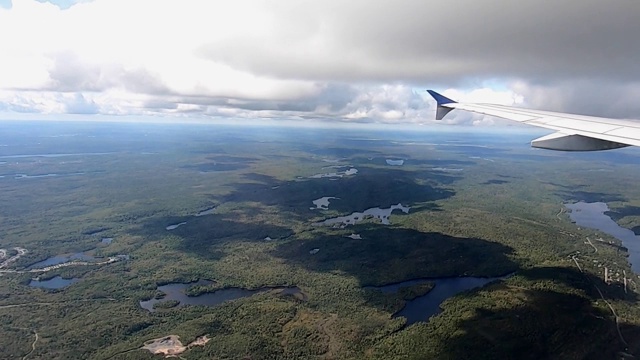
<point>357,61</point>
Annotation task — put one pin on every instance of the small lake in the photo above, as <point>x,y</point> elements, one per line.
<point>39,176</point>
<point>175,226</point>
<point>176,291</point>
<point>349,172</point>
<point>53,283</point>
<point>445,169</point>
<point>381,214</point>
<point>592,215</point>
<point>206,212</point>
<point>395,162</point>
<point>60,259</point>
<point>425,306</point>
<point>322,203</point>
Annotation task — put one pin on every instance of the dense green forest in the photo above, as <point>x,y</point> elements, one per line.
<point>233,205</point>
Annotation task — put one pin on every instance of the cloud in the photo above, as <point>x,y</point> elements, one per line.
<point>80,105</point>
<point>584,96</point>
<point>349,61</point>
<point>64,4</point>
<point>448,41</point>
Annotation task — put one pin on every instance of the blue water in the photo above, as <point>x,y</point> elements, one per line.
<point>176,291</point>
<point>53,283</point>
<point>428,305</point>
<point>592,215</point>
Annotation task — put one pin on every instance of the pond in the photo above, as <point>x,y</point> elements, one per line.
<point>175,226</point>
<point>322,203</point>
<point>395,162</point>
<point>53,283</point>
<point>349,172</point>
<point>206,212</point>
<point>106,240</point>
<point>176,292</point>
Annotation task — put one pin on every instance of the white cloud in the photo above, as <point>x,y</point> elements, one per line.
<point>353,61</point>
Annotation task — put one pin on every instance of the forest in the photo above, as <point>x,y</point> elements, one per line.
<point>233,206</point>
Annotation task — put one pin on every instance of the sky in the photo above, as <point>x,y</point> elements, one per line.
<point>356,61</point>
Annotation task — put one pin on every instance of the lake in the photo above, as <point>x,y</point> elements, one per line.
<point>176,291</point>
<point>592,215</point>
<point>53,283</point>
<point>381,214</point>
<point>322,203</point>
<point>425,306</point>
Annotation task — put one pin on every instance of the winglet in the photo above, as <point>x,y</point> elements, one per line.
<point>441,100</point>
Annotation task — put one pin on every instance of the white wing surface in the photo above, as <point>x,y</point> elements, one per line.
<point>574,132</point>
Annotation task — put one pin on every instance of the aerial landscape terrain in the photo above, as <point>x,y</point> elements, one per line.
<point>138,241</point>
<point>318,180</point>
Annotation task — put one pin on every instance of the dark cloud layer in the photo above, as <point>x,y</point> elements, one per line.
<point>445,41</point>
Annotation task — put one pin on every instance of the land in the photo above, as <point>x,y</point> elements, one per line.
<point>171,345</point>
<point>480,205</point>
<point>22,251</point>
<point>412,292</point>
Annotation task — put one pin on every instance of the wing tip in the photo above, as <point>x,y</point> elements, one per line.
<point>440,99</point>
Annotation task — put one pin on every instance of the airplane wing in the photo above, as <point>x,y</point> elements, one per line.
<point>574,132</point>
